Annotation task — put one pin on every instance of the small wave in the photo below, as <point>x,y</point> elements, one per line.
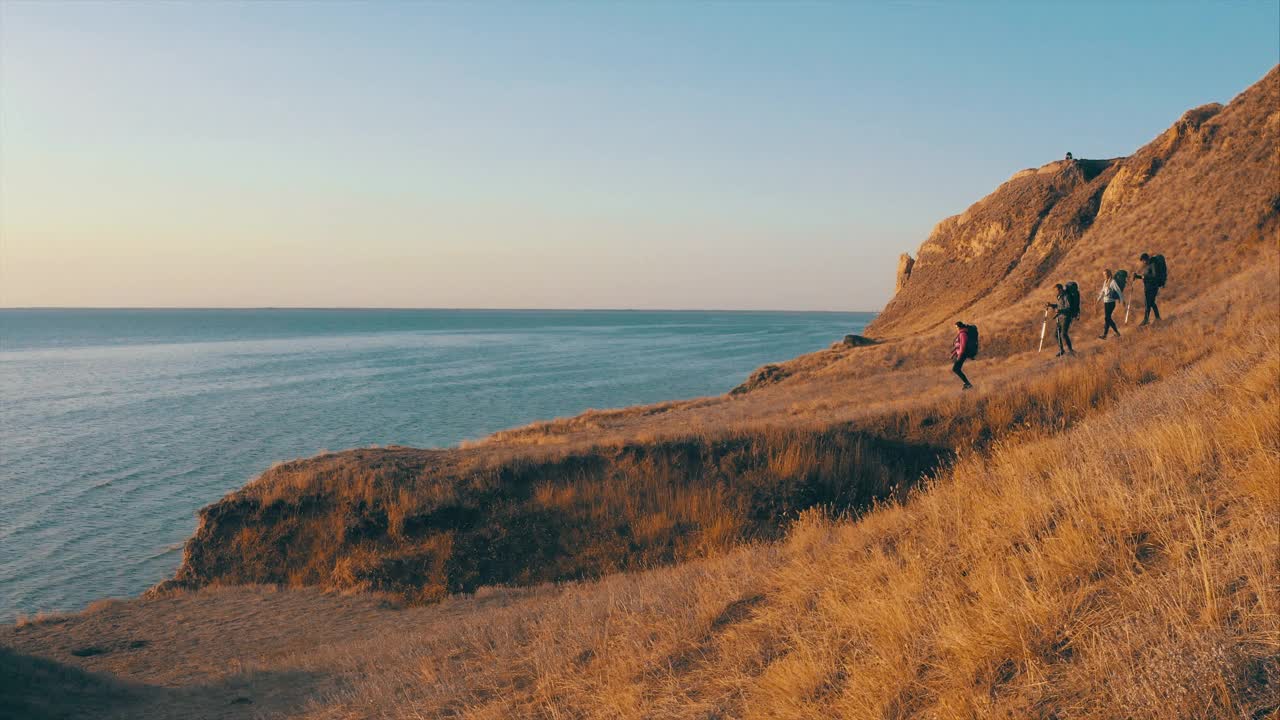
<point>167,550</point>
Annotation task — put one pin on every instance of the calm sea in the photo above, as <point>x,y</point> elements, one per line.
<point>117,425</point>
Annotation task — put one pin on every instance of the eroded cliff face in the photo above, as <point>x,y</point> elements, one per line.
<point>905,263</point>
<point>1206,185</point>
<point>993,244</point>
<point>425,523</point>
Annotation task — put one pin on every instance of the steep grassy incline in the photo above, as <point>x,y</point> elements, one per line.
<point>1204,193</point>
<point>1007,242</point>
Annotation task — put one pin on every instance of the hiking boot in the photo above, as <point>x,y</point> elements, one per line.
<point>1102,337</point>
<point>967,386</point>
<point>1144,322</point>
<point>1061,353</point>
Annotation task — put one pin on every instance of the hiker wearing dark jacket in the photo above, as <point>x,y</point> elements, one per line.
<point>1109,296</point>
<point>1150,286</point>
<point>959,353</point>
<point>1064,313</point>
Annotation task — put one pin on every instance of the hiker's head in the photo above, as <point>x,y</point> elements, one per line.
<point>1144,257</point>
<point>1107,273</point>
<point>1059,287</point>
<point>960,324</point>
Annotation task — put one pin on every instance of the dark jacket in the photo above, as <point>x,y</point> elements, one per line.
<point>1064,305</point>
<point>1148,274</point>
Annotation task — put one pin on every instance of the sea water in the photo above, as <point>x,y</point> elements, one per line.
<point>117,425</point>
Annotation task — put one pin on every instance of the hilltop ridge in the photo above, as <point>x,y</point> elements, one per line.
<point>1191,193</point>
<point>1014,235</point>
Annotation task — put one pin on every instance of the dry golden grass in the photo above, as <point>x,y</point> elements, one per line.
<point>1077,576</point>
<point>1204,193</point>
<point>1125,564</point>
<point>405,521</point>
<point>425,523</point>
<point>1091,538</point>
<point>1125,568</point>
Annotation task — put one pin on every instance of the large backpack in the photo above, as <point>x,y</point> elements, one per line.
<point>1073,299</point>
<point>971,344</point>
<point>1161,270</point>
<point>1122,278</point>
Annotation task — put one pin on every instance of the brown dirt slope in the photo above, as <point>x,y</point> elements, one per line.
<point>1008,240</point>
<point>1203,193</point>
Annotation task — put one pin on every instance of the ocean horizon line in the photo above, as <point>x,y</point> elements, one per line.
<point>371,308</point>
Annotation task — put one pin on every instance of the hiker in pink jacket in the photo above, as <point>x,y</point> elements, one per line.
<point>964,348</point>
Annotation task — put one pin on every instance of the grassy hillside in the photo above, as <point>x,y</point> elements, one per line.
<point>1091,537</point>
<point>1124,568</point>
<point>1127,566</point>
<point>1203,193</point>
<point>621,491</point>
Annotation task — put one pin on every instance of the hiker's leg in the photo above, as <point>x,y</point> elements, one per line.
<point>1110,324</point>
<point>1149,298</point>
<point>1057,333</point>
<point>958,368</point>
<point>1066,332</point>
<point>1154,307</point>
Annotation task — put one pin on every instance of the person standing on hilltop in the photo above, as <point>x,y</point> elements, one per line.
<point>1110,294</point>
<point>1065,308</point>
<point>965,347</point>
<point>1153,276</point>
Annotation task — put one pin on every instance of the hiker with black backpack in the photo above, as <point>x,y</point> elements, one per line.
<point>1066,309</point>
<point>965,348</point>
<point>1154,274</point>
<point>1112,292</point>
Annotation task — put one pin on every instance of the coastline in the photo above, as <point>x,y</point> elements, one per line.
<point>177,408</point>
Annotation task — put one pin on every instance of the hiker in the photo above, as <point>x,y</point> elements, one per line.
<point>1069,158</point>
<point>1112,292</point>
<point>965,347</point>
<point>1065,309</point>
<point>1153,275</point>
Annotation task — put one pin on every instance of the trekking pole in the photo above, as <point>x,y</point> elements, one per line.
<point>1043,326</point>
<point>1127,298</point>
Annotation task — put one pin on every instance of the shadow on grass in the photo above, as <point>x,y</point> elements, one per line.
<point>36,688</point>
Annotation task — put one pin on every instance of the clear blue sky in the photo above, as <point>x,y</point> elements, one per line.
<point>709,155</point>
